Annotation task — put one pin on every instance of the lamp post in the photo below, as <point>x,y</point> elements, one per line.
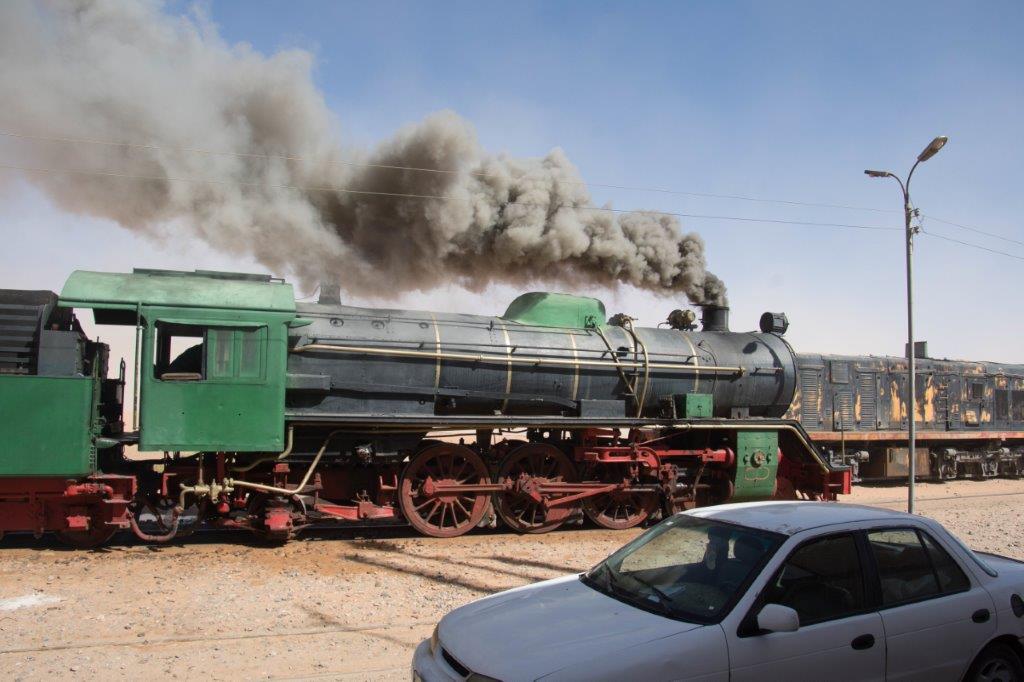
<point>931,150</point>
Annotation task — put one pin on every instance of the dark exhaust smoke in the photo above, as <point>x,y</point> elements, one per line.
<point>240,150</point>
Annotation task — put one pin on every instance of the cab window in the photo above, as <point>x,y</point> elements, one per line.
<point>179,352</point>
<point>236,352</point>
<point>194,353</point>
<point>911,566</point>
<point>822,580</point>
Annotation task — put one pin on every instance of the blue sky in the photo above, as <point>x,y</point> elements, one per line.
<point>783,100</point>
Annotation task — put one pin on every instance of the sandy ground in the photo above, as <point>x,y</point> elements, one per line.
<point>334,605</point>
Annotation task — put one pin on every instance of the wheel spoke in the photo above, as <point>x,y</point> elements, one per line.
<point>424,504</point>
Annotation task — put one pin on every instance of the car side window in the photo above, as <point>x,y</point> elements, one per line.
<point>912,566</point>
<point>951,576</point>
<point>821,580</point>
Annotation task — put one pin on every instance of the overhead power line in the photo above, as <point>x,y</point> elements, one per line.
<point>970,244</point>
<point>737,197</point>
<point>973,229</point>
<point>480,174</point>
<point>438,197</point>
<point>709,195</point>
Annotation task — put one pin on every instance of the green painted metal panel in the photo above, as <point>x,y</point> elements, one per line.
<point>46,426</point>
<point>237,404</point>
<point>695,405</point>
<point>86,289</point>
<point>756,465</point>
<point>542,309</point>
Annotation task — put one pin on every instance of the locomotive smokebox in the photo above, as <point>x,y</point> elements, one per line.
<point>714,318</point>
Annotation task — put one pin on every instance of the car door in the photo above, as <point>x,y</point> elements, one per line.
<point>840,635</point>
<point>936,619</point>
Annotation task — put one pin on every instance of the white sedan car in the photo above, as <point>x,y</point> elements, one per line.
<point>756,591</point>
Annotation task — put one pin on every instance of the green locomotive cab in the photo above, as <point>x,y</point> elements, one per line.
<point>212,354</point>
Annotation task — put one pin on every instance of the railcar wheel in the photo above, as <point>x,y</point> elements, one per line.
<point>531,464</point>
<point>443,516</point>
<point>273,538</point>
<point>784,489</point>
<point>620,510</point>
<point>273,519</point>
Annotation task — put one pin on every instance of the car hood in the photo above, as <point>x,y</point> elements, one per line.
<point>530,631</point>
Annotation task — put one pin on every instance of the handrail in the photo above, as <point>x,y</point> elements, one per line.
<point>503,359</point>
<point>618,365</point>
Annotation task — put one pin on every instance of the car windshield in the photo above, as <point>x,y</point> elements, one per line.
<point>686,568</point>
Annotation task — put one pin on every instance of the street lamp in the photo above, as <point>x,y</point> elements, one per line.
<point>931,150</point>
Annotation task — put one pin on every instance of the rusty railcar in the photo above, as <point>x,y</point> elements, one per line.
<point>969,415</point>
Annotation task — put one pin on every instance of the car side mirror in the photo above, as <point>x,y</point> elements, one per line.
<point>778,618</point>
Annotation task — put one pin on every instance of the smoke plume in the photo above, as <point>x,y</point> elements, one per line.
<point>242,149</point>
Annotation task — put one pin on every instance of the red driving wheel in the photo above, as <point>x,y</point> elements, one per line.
<point>447,515</point>
<point>524,467</point>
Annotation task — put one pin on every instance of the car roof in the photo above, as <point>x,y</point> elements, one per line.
<point>791,517</point>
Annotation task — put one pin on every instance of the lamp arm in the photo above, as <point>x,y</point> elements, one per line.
<point>906,188</point>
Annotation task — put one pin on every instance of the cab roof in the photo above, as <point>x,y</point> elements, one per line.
<point>789,518</point>
<point>198,289</point>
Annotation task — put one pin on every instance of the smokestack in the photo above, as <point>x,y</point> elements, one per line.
<point>714,318</point>
<point>330,294</point>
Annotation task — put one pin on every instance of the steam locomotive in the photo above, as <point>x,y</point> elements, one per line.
<point>271,415</point>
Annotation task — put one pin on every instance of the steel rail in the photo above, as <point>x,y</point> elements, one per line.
<point>205,637</point>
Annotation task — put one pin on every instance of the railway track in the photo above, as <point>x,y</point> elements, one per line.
<point>206,638</point>
<point>919,499</point>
